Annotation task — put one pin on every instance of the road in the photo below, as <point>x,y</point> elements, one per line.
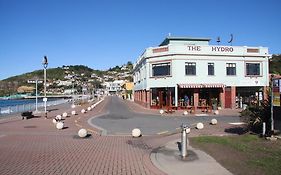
<point>120,120</point>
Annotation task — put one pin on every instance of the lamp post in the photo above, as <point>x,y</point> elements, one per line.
<point>73,81</point>
<point>45,65</point>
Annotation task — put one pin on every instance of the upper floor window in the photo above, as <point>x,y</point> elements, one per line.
<point>253,69</point>
<point>211,69</point>
<point>230,68</point>
<point>161,69</point>
<point>190,68</point>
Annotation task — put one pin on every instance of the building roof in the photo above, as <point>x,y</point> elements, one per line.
<point>168,39</point>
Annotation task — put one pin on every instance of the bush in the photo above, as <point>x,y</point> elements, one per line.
<point>254,116</point>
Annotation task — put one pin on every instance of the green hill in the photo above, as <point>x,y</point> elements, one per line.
<point>82,73</point>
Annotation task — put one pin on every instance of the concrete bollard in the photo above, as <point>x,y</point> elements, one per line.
<point>73,106</point>
<point>73,112</point>
<point>64,114</point>
<point>83,111</point>
<point>263,128</point>
<point>136,132</point>
<point>58,117</point>
<point>89,108</point>
<point>92,106</point>
<point>185,113</point>
<point>54,121</point>
<point>82,133</point>
<point>187,130</point>
<point>59,125</point>
<point>214,121</point>
<point>200,126</point>
<point>161,111</point>
<point>216,112</point>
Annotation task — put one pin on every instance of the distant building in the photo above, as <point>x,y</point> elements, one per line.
<point>184,69</point>
<point>128,90</point>
<point>64,83</point>
<point>114,87</point>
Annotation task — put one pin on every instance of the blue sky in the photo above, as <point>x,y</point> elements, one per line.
<point>103,34</point>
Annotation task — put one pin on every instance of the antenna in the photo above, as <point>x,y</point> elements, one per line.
<point>169,34</point>
<point>218,40</point>
<point>231,39</point>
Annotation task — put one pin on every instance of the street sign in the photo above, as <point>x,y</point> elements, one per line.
<point>34,81</point>
<point>45,99</point>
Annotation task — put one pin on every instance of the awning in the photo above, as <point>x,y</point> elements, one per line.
<point>212,85</point>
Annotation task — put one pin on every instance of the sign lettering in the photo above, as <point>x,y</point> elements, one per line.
<point>194,48</point>
<point>222,49</point>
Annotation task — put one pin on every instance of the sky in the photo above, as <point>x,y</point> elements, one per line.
<point>105,33</point>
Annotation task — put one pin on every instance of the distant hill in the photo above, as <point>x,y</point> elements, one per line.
<point>83,73</point>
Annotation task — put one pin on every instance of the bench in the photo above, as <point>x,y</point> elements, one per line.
<point>26,115</point>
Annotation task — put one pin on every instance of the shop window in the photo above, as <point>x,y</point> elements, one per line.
<point>252,68</point>
<point>190,68</point>
<point>211,69</point>
<point>162,69</point>
<point>230,68</point>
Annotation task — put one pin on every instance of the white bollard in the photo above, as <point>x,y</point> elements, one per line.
<point>185,113</point>
<point>83,111</point>
<point>216,112</point>
<point>89,108</point>
<point>187,130</point>
<point>136,132</point>
<point>59,125</point>
<point>64,114</point>
<point>58,117</point>
<point>54,121</point>
<point>200,126</point>
<point>73,112</point>
<point>161,111</point>
<point>82,133</point>
<point>92,106</point>
<point>214,121</point>
<point>73,106</point>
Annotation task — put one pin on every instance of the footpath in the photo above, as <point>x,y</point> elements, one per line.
<point>35,146</point>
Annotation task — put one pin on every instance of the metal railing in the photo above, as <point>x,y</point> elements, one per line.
<point>27,107</point>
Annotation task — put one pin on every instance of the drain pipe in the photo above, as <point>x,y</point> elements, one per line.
<point>183,141</point>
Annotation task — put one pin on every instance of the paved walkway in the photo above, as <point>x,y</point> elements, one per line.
<point>168,159</point>
<point>35,146</point>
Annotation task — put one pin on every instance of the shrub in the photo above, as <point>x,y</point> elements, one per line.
<point>254,116</point>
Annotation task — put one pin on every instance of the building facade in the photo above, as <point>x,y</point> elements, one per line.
<point>185,71</point>
<point>114,87</point>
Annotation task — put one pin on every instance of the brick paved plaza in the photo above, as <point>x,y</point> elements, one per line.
<point>35,146</point>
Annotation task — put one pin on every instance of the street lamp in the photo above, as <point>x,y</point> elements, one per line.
<point>73,81</point>
<point>45,65</point>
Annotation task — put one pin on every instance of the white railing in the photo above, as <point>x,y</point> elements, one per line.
<point>28,107</point>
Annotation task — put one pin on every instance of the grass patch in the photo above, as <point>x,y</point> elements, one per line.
<point>257,155</point>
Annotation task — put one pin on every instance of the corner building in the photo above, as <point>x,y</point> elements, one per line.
<point>189,68</point>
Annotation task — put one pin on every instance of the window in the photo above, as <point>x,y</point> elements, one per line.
<point>230,68</point>
<point>252,68</point>
<point>162,69</point>
<point>211,70</point>
<point>190,68</point>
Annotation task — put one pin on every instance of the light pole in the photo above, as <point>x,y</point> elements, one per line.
<point>45,65</point>
<point>36,84</point>
<point>73,81</point>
